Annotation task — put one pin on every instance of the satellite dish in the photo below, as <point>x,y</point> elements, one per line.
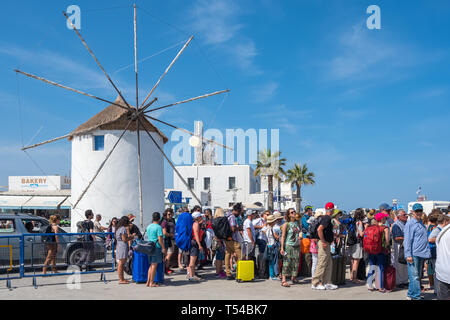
<point>194,141</point>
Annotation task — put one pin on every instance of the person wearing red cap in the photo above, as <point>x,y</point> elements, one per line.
<point>322,276</point>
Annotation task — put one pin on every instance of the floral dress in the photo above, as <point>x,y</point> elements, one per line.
<point>291,260</point>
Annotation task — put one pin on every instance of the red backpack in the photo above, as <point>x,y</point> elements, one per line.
<point>373,239</point>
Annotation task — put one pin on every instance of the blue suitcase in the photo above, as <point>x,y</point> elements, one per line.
<point>140,267</point>
<point>159,276</point>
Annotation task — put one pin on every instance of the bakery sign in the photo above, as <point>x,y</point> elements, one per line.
<point>34,183</point>
<point>44,183</point>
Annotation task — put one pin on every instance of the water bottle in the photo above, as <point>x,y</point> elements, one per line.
<point>333,248</point>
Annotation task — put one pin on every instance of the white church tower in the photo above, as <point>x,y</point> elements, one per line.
<point>115,191</point>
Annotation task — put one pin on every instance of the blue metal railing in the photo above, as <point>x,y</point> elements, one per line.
<point>34,252</point>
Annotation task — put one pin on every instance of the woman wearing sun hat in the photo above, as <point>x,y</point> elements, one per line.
<point>273,245</point>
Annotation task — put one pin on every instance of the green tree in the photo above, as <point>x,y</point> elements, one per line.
<point>271,165</point>
<point>298,176</point>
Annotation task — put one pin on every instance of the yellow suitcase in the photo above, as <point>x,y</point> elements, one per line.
<point>245,270</point>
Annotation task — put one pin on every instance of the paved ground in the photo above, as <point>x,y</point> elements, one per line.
<point>177,287</point>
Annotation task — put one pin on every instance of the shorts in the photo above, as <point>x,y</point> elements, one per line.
<point>171,249</point>
<point>430,266</point>
<point>156,257</point>
<point>220,254</point>
<point>195,250</point>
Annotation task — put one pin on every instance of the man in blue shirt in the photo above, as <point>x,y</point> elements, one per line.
<point>416,250</point>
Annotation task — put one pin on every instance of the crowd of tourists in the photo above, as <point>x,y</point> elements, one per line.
<point>385,249</point>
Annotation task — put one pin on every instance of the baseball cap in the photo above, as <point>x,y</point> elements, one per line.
<point>329,206</point>
<point>380,215</point>
<point>308,207</point>
<point>249,212</point>
<point>384,206</point>
<point>417,206</point>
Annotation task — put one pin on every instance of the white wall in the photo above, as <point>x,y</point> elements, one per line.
<point>115,192</point>
<point>219,183</point>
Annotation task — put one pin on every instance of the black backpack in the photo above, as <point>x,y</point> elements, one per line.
<point>221,228</point>
<point>49,238</point>
<point>82,227</point>
<point>313,226</point>
<point>352,239</point>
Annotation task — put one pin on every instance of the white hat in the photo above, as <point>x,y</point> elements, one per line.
<point>196,215</point>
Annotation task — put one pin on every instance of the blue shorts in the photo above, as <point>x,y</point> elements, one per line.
<point>156,257</point>
<point>220,255</point>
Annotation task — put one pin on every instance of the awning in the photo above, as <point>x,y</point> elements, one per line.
<point>13,202</point>
<point>34,202</point>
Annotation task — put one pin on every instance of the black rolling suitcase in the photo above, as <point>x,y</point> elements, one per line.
<point>361,273</point>
<point>338,271</point>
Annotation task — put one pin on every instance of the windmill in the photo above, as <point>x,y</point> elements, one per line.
<point>137,118</point>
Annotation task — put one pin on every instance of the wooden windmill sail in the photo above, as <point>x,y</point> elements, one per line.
<point>121,115</point>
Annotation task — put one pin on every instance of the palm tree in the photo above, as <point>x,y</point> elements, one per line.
<point>269,164</point>
<point>298,176</point>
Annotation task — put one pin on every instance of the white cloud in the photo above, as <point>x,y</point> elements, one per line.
<point>265,92</point>
<point>76,74</point>
<point>217,23</point>
<point>215,20</point>
<point>361,55</point>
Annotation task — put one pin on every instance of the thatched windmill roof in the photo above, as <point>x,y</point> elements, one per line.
<point>114,118</point>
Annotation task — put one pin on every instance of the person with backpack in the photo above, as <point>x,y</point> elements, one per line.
<point>155,234</point>
<point>233,242</point>
<point>323,231</point>
<point>376,240</point>
<point>218,244</point>
<point>398,236</point>
<point>87,226</point>
<point>122,238</point>
<point>442,271</point>
<point>52,243</point>
<point>416,251</point>
<point>197,245</point>
<point>354,241</point>
<point>183,236</point>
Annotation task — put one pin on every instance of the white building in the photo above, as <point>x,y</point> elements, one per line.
<point>115,191</point>
<point>225,185</point>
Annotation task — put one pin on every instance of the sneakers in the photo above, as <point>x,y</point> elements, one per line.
<point>222,275</point>
<point>194,279</point>
<point>275,279</point>
<point>230,277</point>
<point>318,287</point>
<point>330,286</point>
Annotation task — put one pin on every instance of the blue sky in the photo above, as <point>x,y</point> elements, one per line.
<point>367,110</point>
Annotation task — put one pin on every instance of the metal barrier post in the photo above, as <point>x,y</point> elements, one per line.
<point>22,256</point>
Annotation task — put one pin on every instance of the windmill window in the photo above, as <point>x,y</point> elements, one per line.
<point>99,143</point>
<point>231,182</point>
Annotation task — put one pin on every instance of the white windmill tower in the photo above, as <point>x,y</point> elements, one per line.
<point>114,170</point>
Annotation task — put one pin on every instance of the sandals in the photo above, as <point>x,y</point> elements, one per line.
<point>285,284</point>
